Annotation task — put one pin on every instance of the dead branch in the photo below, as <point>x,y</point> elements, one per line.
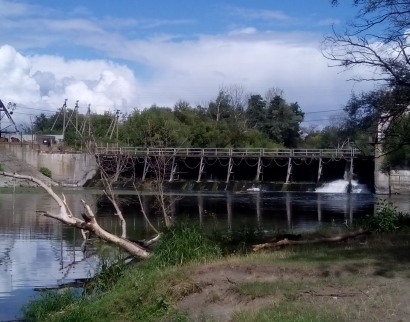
<point>287,242</point>
<point>313,293</point>
<point>89,223</point>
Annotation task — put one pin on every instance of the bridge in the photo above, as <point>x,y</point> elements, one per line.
<point>232,152</point>
<point>226,164</point>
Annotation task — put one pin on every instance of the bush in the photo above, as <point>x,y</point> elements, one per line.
<point>241,238</point>
<point>183,243</point>
<point>387,219</point>
<point>45,171</point>
<point>1,167</point>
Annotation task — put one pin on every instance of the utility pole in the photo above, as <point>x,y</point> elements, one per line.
<point>89,120</point>
<point>32,133</point>
<point>64,109</point>
<point>118,116</point>
<point>76,117</point>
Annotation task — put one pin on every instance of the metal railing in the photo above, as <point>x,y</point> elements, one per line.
<point>227,152</point>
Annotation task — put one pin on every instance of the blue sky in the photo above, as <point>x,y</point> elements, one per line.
<point>132,54</point>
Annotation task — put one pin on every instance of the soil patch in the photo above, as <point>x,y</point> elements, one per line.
<point>242,287</point>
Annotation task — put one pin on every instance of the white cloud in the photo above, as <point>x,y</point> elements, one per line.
<point>43,82</point>
<point>8,8</point>
<point>246,31</point>
<point>260,14</point>
<point>174,67</point>
<point>194,69</point>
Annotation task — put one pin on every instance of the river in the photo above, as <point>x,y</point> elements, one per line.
<point>38,252</point>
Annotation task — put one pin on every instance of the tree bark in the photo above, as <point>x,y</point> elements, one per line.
<point>89,223</point>
<point>287,242</point>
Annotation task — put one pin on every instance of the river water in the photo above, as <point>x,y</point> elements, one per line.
<point>37,252</point>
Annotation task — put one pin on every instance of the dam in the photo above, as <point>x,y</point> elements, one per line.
<point>224,165</point>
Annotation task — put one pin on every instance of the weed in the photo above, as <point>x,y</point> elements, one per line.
<point>105,279</point>
<point>50,301</point>
<point>45,171</point>
<point>183,243</point>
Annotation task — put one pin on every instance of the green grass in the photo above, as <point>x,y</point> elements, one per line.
<point>50,301</point>
<point>184,243</point>
<point>287,313</point>
<point>145,291</point>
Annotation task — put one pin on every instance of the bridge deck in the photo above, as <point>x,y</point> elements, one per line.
<point>236,153</point>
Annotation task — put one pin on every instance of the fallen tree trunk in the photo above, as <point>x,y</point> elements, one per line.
<point>88,223</point>
<point>287,242</point>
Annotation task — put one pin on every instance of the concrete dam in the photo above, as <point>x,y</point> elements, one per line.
<point>241,169</point>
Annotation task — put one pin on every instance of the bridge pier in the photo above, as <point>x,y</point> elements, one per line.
<point>349,175</point>
<point>230,166</point>
<point>146,167</point>
<point>289,170</point>
<point>259,170</point>
<point>320,170</point>
<point>201,169</point>
<point>173,169</point>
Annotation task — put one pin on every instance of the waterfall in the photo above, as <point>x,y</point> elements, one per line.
<point>340,186</point>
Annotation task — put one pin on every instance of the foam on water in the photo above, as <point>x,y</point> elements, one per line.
<point>340,186</point>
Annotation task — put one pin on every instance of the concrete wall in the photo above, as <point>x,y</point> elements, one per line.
<point>395,182</point>
<point>400,181</point>
<point>67,169</point>
<point>381,180</point>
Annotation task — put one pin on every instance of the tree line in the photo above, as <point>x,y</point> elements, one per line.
<point>233,119</point>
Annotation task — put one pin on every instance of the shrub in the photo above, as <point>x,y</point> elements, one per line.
<point>1,167</point>
<point>241,238</point>
<point>183,243</point>
<point>45,171</point>
<point>387,219</point>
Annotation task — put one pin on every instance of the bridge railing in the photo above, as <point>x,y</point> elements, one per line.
<point>227,152</point>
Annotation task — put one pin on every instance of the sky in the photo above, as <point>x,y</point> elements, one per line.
<point>132,54</point>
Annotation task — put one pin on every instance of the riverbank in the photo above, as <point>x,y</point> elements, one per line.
<point>359,280</point>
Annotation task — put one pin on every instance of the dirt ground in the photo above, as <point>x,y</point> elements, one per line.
<point>345,290</point>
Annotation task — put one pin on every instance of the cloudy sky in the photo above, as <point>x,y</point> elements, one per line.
<point>126,54</point>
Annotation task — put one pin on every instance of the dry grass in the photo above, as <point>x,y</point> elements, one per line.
<point>366,280</point>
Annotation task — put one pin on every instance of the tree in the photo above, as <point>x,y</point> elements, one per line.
<point>377,39</point>
<point>283,121</point>
<point>271,93</point>
<point>256,111</point>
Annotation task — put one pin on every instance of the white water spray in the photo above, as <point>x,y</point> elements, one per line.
<point>340,186</point>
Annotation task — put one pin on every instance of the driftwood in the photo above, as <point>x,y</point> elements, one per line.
<point>287,242</point>
<point>88,221</point>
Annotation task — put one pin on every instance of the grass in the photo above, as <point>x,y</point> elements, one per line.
<point>287,313</point>
<point>281,280</point>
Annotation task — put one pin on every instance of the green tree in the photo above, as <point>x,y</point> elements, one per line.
<point>283,122</point>
<point>377,38</point>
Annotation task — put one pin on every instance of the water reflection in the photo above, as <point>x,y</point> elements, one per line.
<point>40,252</point>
